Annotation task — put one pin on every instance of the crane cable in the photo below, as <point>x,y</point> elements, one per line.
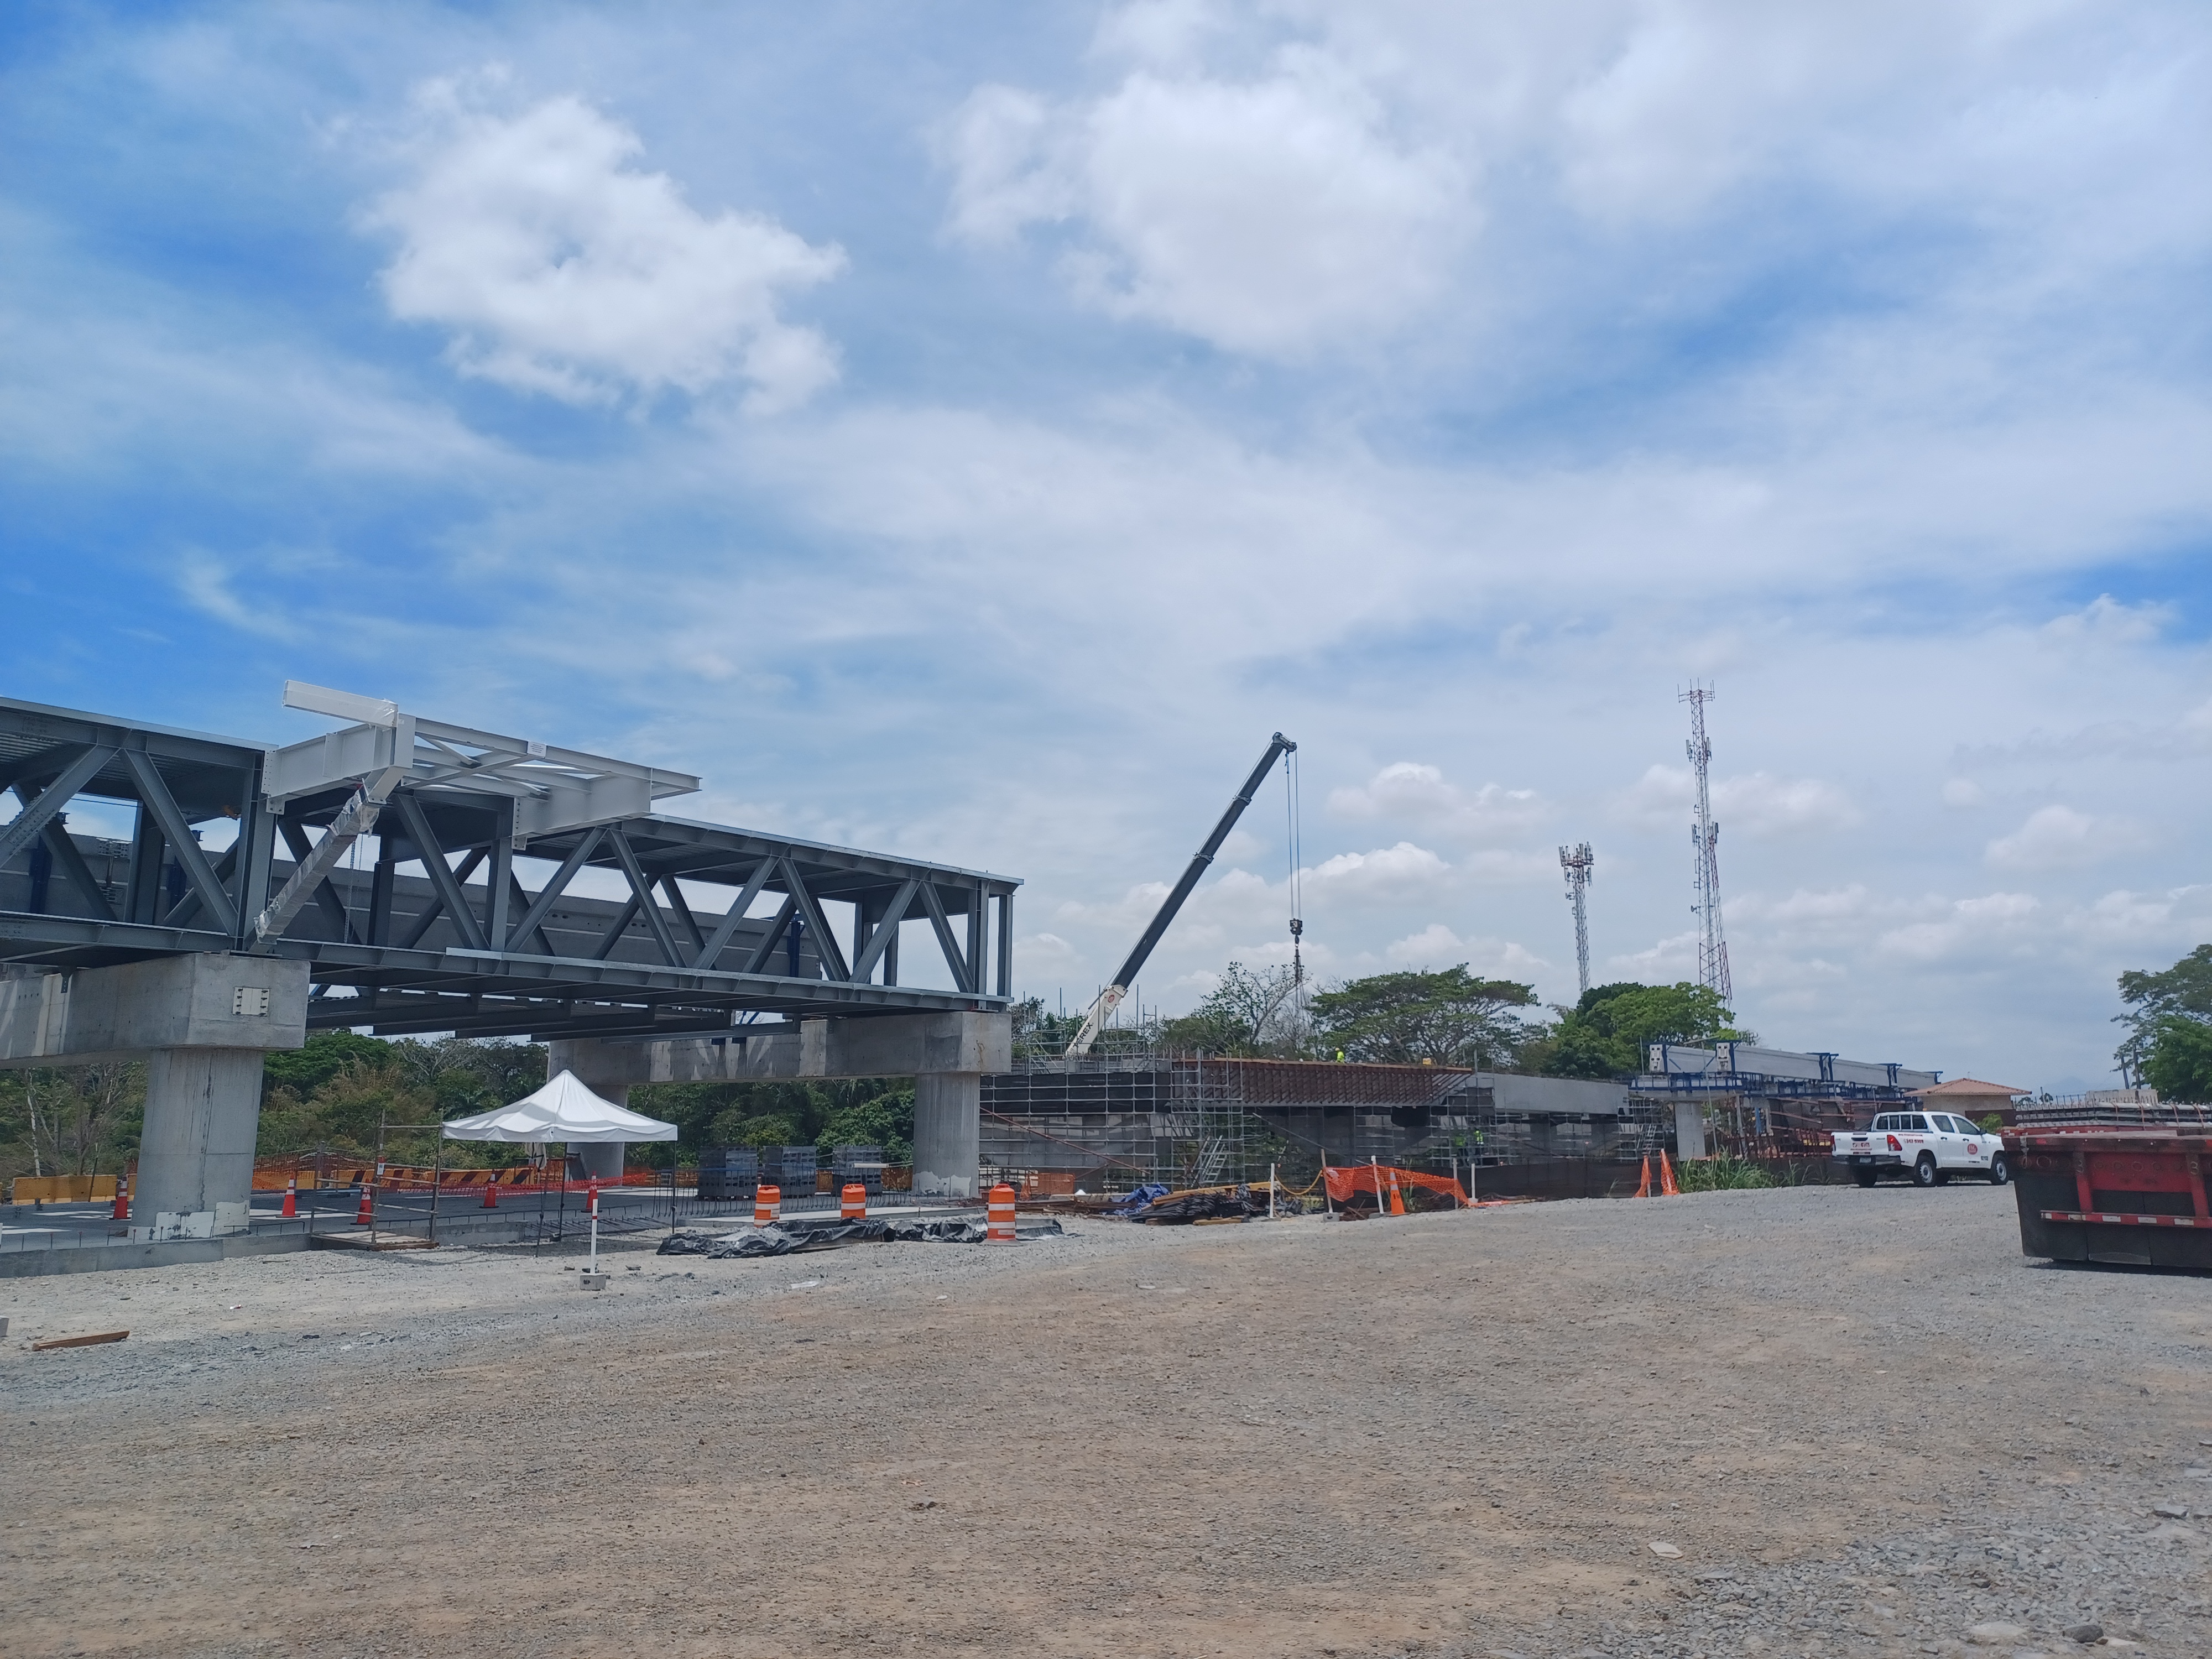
<point>1297,922</point>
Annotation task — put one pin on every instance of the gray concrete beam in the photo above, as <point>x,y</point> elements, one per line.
<point>946,1055</point>
<point>198,1001</point>
<point>900,1045</point>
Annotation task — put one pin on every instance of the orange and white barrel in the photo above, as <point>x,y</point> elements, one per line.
<point>852,1202</point>
<point>1001,1230</point>
<point>768,1205</point>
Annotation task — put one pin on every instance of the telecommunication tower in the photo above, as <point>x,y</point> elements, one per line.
<point>1705,840</point>
<point>1577,861</point>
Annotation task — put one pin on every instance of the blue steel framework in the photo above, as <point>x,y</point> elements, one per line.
<point>466,946</point>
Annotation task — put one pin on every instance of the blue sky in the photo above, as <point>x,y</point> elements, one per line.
<point>971,432</point>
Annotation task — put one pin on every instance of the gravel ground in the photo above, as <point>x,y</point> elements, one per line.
<point>1858,1422</point>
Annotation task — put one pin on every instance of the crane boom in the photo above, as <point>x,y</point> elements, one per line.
<point>1110,998</point>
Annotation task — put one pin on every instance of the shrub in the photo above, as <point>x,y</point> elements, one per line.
<point>1720,1174</point>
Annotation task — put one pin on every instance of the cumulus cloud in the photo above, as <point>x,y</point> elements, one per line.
<point>1434,944</point>
<point>1414,791</point>
<point>1436,947</point>
<point>562,267</point>
<point>1963,924</point>
<point>2058,838</point>
<point>1389,874</point>
<point>1752,804</point>
<point>1268,215</point>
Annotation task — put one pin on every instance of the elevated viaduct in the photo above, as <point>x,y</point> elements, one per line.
<point>407,876</point>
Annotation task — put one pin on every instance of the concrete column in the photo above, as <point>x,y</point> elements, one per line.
<point>603,1160</point>
<point>196,1155</point>
<point>1689,1128</point>
<point>607,1069</point>
<point>948,1109</point>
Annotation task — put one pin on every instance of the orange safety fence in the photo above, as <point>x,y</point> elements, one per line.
<point>1372,1180</point>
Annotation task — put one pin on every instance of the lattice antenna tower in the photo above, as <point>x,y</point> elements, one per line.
<point>1579,862</point>
<point>1705,842</point>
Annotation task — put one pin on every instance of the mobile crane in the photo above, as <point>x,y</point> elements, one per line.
<point>1110,998</point>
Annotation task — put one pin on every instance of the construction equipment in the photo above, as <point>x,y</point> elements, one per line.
<point>1110,998</point>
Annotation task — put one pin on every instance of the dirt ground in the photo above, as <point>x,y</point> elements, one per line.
<point>1864,1421</point>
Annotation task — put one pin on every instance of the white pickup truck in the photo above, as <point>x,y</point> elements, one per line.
<point>1930,1147</point>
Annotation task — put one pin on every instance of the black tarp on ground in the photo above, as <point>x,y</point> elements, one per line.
<point>794,1237</point>
<point>1205,1204</point>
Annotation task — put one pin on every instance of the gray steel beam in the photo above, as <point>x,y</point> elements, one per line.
<point>719,940</point>
<point>774,936</point>
<point>63,846</point>
<point>72,777</point>
<point>825,942</point>
<point>325,896</point>
<point>533,919</point>
<point>619,926</point>
<point>441,874</point>
<point>871,950</point>
<point>641,889</point>
<point>682,907</point>
<point>934,902</point>
<point>438,907</point>
<point>155,793</point>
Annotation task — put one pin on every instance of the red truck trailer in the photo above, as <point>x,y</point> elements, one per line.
<point>2132,1196</point>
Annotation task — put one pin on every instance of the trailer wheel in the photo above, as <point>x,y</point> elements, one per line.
<point>1999,1174</point>
<point>1923,1172</point>
<point>1864,1177</point>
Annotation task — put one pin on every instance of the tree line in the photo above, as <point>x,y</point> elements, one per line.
<point>1413,1017</point>
<point>331,1095</point>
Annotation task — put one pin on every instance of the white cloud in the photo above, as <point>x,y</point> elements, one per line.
<point>205,582</point>
<point>1961,791</point>
<point>2058,838</point>
<point>1415,792</point>
<point>1268,215</point>
<point>1751,804</point>
<point>563,268</point>
<point>2105,623</point>
<point>1435,945</point>
<point>1389,874</point>
<point>1964,924</point>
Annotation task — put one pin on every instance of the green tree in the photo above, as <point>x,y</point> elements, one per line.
<point>2169,1021</point>
<point>1605,1034</point>
<point>1247,1014</point>
<point>2178,1062</point>
<point>307,1069</point>
<point>1446,1018</point>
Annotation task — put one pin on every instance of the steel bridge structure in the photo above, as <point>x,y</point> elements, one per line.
<point>433,879</point>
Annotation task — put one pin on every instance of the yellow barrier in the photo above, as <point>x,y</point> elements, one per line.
<point>61,1189</point>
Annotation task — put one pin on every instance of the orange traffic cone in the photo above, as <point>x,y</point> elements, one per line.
<point>1667,1186</point>
<point>767,1205</point>
<point>292,1197</point>
<point>122,1198</point>
<point>1644,1189</point>
<point>852,1202</point>
<point>1397,1198</point>
<point>366,1215</point>
<point>491,1193</point>
<point>1000,1216</point>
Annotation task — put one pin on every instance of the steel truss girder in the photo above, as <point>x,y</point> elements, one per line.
<point>507,939</point>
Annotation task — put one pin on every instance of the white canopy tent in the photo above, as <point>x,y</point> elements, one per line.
<point>565,1110</point>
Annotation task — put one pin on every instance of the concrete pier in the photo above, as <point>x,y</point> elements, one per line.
<point>947,1054</point>
<point>202,1023</point>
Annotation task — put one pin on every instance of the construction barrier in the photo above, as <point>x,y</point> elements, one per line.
<point>768,1205</point>
<point>61,1189</point>
<point>1376,1183</point>
<point>852,1202</point>
<point>1001,1216</point>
